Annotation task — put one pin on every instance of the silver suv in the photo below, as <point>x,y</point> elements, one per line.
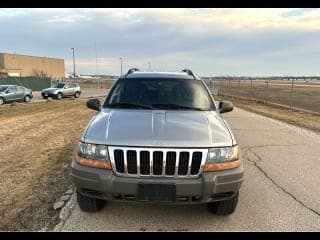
<point>62,89</point>
<point>158,137</point>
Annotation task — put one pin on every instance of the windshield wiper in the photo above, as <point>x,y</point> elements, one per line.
<point>175,106</point>
<point>130,105</point>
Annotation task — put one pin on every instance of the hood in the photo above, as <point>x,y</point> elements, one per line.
<point>158,128</point>
<point>51,89</point>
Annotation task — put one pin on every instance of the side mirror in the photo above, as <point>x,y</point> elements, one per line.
<point>94,104</point>
<point>8,91</point>
<point>225,106</point>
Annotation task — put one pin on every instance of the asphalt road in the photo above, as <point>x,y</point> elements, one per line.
<point>85,93</point>
<point>280,192</point>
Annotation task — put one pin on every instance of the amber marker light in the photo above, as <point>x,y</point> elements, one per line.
<point>93,163</point>
<point>221,166</point>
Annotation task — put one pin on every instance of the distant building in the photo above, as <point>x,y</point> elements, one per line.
<point>14,65</point>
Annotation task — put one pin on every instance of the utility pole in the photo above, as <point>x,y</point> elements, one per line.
<point>74,66</point>
<point>121,66</point>
<point>149,66</point>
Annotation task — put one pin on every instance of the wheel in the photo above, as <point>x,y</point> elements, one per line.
<point>88,204</point>
<point>45,97</point>
<point>59,96</point>
<point>1,101</point>
<point>27,98</point>
<point>77,95</point>
<point>224,207</point>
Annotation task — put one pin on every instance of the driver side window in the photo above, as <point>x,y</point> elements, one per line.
<point>11,89</point>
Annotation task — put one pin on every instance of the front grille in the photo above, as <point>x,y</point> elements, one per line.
<point>157,162</point>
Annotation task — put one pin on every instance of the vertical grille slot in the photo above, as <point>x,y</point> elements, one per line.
<point>144,163</point>
<point>170,163</point>
<point>196,162</point>
<point>119,160</point>
<point>157,162</point>
<point>183,163</point>
<point>132,161</point>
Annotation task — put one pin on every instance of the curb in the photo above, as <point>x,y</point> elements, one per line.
<point>69,204</point>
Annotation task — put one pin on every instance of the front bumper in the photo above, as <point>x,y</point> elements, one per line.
<point>209,187</point>
<point>48,94</point>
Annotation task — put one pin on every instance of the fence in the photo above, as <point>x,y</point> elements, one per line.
<point>34,83</point>
<point>294,93</point>
<point>100,83</point>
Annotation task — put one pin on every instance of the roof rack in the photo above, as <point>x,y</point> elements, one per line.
<point>131,70</point>
<point>190,73</point>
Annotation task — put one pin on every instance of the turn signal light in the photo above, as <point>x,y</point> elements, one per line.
<point>93,163</point>
<point>221,166</point>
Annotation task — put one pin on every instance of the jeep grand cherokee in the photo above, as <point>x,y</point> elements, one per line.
<point>158,137</point>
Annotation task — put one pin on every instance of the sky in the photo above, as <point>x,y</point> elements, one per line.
<point>211,42</point>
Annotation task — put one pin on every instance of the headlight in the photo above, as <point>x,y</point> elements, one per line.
<point>222,158</point>
<point>93,155</point>
<point>225,154</point>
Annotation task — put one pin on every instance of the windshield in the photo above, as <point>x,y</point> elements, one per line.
<point>159,93</point>
<point>58,85</point>
<point>3,88</point>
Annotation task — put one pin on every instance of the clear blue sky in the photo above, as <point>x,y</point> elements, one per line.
<point>255,42</point>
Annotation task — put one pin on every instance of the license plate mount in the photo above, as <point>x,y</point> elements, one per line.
<point>156,192</point>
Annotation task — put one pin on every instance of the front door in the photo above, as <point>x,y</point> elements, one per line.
<point>67,91</point>
<point>11,93</point>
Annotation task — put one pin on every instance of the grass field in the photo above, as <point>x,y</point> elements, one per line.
<point>97,84</point>
<point>37,141</point>
<point>298,118</point>
<point>304,96</point>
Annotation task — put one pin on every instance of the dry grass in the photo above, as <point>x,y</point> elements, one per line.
<point>97,85</point>
<point>301,119</point>
<point>36,141</point>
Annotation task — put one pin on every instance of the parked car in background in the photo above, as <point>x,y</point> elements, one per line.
<point>62,89</point>
<point>14,93</point>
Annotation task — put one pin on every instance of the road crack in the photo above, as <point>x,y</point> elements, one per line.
<point>271,145</point>
<point>274,182</point>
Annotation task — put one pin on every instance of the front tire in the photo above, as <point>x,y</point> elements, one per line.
<point>77,95</point>
<point>27,98</point>
<point>88,204</point>
<point>224,207</point>
<point>1,101</point>
<point>59,96</point>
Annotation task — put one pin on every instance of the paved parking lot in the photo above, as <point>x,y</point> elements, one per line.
<point>280,192</point>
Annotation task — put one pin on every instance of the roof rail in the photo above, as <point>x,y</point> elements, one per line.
<point>131,70</point>
<point>190,73</point>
